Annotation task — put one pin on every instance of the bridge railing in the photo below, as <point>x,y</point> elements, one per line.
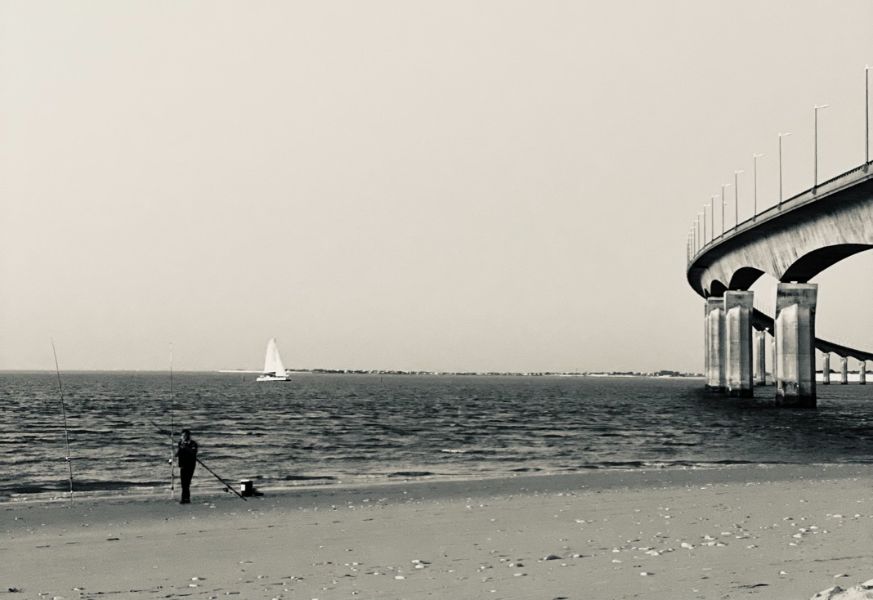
<point>814,193</point>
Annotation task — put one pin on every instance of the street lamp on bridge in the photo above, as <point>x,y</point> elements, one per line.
<point>704,242</point>
<point>781,135</point>
<point>724,185</point>
<point>815,110</point>
<point>696,233</point>
<point>711,217</point>
<point>866,116</point>
<point>736,200</point>
<point>755,158</point>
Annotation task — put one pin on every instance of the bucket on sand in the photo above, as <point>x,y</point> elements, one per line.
<point>246,487</point>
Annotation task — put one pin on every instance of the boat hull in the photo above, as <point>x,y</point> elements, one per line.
<point>273,378</point>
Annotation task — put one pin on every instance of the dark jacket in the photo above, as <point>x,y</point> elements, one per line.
<point>187,453</point>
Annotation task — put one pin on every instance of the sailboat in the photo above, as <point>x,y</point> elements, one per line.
<point>274,370</point>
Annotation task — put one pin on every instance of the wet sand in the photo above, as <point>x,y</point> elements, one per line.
<point>776,532</point>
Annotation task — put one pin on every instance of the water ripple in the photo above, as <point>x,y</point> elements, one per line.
<point>328,428</point>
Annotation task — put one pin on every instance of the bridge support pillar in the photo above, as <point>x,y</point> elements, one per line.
<point>862,373</point>
<point>738,342</point>
<point>826,368</point>
<point>772,351</point>
<point>844,370</point>
<point>706,341</point>
<point>761,358</point>
<point>795,338</point>
<point>715,344</point>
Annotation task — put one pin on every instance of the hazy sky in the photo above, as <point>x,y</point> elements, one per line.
<point>444,185</point>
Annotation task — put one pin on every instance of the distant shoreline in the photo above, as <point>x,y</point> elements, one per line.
<point>601,374</point>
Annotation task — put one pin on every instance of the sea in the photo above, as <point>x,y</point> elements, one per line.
<point>322,429</point>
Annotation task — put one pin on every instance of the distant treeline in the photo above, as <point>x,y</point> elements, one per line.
<point>662,373</point>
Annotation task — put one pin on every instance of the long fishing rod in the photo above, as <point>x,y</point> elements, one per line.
<point>64,412</point>
<point>218,477</point>
<point>172,441</point>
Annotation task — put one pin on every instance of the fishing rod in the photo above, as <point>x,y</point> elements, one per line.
<point>64,412</point>
<point>172,441</point>
<point>226,485</point>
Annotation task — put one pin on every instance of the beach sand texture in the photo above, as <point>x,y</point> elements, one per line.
<point>782,532</point>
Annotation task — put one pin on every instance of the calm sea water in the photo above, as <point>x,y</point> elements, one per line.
<point>325,429</point>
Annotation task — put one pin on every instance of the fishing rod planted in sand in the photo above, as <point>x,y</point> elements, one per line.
<point>64,412</point>
<point>172,441</point>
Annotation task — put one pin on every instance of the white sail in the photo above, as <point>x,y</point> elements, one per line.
<point>272,361</point>
<point>274,370</point>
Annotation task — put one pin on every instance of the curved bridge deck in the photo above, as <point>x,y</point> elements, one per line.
<point>792,241</point>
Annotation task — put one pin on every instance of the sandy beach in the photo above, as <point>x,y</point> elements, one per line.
<point>781,532</point>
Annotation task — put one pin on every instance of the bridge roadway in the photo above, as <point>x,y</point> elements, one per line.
<point>793,242</point>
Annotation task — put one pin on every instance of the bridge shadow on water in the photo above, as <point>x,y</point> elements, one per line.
<point>839,430</point>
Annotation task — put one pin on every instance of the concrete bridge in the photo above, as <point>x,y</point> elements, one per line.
<point>793,242</point>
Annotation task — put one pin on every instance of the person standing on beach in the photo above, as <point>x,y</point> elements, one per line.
<point>186,454</point>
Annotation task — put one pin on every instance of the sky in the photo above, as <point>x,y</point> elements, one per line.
<point>450,186</point>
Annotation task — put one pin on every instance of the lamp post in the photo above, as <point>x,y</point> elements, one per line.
<point>703,239</point>
<point>866,116</point>
<point>781,135</point>
<point>815,110</point>
<point>705,242</point>
<point>736,199</point>
<point>711,218</point>
<point>755,158</point>
<point>724,185</point>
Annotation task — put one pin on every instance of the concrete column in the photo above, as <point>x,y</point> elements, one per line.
<point>715,349</point>
<point>706,341</point>
<point>844,370</point>
<point>795,339</point>
<point>738,342</point>
<point>761,358</point>
<point>826,368</point>
<point>862,375</point>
